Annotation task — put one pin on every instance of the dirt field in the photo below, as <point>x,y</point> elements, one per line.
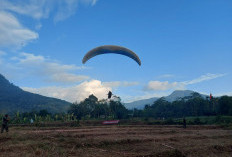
<point>115,141</point>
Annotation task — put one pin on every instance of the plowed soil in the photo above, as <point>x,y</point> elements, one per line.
<point>117,141</point>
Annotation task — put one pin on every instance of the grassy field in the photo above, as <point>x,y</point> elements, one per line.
<point>124,140</point>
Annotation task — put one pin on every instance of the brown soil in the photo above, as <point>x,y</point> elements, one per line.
<point>114,141</point>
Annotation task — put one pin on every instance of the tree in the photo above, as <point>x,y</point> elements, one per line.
<point>84,108</point>
<point>118,110</point>
<point>100,109</point>
<point>43,113</point>
<point>225,105</point>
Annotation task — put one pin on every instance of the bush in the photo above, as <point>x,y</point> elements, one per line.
<point>169,121</point>
<point>197,121</point>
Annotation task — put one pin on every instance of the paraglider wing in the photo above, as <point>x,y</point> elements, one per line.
<point>111,49</point>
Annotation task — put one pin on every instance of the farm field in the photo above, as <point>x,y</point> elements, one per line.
<point>114,141</point>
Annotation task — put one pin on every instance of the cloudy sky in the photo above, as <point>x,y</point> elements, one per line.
<point>182,45</point>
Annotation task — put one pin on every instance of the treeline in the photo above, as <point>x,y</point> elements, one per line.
<point>191,106</point>
<point>194,105</point>
<point>88,109</point>
<point>39,116</point>
<point>92,108</point>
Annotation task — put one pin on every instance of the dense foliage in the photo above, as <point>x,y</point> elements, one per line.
<point>36,117</point>
<point>93,108</point>
<point>185,107</point>
<point>191,106</point>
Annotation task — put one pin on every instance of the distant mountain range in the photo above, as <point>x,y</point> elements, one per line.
<point>13,99</point>
<point>139,104</point>
<point>176,95</point>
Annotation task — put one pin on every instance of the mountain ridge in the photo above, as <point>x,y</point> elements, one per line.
<point>13,99</point>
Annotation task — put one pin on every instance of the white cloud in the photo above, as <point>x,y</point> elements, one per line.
<point>74,93</point>
<point>94,2</point>
<point>66,8</point>
<point>38,9</point>
<point>34,8</point>
<point>120,84</point>
<point>89,2</point>
<point>48,69</point>
<point>158,85</point>
<point>166,76</point>
<point>28,58</point>
<point>68,78</point>
<point>13,33</point>
<point>202,78</point>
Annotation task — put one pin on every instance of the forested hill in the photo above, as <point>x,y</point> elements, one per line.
<point>13,99</point>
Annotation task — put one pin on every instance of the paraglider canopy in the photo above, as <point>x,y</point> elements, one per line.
<point>111,49</point>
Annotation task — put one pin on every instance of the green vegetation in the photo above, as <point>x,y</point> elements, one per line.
<point>92,108</point>
<point>195,109</point>
<point>186,107</point>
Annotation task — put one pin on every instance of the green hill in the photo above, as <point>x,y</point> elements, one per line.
<point>13,99</point>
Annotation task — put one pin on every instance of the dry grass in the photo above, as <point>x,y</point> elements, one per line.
<point>117,141</point>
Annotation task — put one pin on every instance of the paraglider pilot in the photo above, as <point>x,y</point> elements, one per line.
<point>184,123</point>
<point>5,121</point>
<point>109,94</point>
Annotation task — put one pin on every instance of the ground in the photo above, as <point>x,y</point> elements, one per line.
<point>114,141</point>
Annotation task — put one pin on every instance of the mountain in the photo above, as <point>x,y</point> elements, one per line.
<point>179,94</point>
<point>13,99</point>
<point>176,95</point>
<point>140,103</point>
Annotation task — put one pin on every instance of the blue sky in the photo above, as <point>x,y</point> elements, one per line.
<point>182,45</point>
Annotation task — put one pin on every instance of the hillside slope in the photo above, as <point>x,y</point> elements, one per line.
<point>140,103</point>
<point>13,98</point>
